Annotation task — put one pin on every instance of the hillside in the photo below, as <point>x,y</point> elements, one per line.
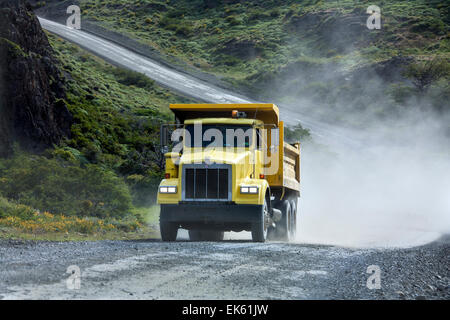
<point>82,137</point>
<point>317,55</point>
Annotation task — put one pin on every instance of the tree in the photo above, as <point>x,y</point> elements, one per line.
<point>296,133</point>
<point>423,74</point>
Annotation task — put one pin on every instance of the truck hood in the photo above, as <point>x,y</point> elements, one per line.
<point>210,155</point>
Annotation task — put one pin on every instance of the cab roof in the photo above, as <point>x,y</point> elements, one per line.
<point>240,121</point>
<point>266,112</point>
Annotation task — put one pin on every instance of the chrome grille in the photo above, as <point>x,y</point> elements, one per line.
<point>207,182</point>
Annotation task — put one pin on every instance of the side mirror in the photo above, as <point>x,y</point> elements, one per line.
<point>164,136</point>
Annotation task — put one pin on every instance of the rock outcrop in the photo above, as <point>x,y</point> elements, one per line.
<point>33,112</point>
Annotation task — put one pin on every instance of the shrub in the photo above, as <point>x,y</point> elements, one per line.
<point>232,20</point>
<point>133,78</point>
<point>228,60</point>
<point>296,133</point>
<point>8,208</point>
<point>47,222</point>
<point>64,187</point>
<point>424,74</point>
<point>429,24</point>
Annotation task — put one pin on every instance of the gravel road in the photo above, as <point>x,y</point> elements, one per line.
<point>150,269</point>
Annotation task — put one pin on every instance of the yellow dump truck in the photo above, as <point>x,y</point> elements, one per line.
<point>229,170</point>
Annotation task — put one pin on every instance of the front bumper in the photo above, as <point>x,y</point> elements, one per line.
<point>222,216</point>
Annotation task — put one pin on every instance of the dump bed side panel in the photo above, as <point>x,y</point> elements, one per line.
<point>288,174</point>
<point>291,167</point>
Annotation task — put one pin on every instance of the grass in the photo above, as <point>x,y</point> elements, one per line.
<point>9,233</point>
<point>240,38</point>
<point>18,221</point>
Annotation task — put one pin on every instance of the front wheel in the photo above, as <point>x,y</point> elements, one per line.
<point>169,231</point>
<point>260,228</point>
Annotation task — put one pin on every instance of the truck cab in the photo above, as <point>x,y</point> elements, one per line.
<point>224,173</point>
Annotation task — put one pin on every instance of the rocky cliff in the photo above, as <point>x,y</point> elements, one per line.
<point>32,108</point>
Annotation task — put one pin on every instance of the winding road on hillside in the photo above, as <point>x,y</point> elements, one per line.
<point>187,85</point>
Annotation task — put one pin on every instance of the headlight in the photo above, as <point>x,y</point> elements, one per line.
<point>167,189</point>
<point>249,189</point>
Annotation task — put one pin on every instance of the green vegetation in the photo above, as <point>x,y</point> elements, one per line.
<point>12,48</point>
<point>240,39</point>
<point>64,187</point>
<point>317,52</point>
<point>100,183</point>
<point>424,73</point>
<point>296,133</point>
<point>20,221</point>
<point>24,222</point>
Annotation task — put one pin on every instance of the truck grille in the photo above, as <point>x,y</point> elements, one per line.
<point>205,183</point>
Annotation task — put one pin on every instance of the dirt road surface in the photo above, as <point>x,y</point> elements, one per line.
<point>151,269</point>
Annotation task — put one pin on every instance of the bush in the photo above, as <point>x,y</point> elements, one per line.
<point>8,208</point>
<point>424,74</point>
<point>133,78</point>
<point>47,222</point>
<point>233,21</point>
<point>180,27</point>
<point>429,24</point>
<point>258,16</point>
<point>64,187</point>
<point>296,133</point>
<point>228,60</point>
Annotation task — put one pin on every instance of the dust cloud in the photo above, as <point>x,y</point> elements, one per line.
<point>393,190</point>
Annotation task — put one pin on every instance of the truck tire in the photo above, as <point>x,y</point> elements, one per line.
<point>283,228</point>
<point>169,231</point>
<point>259,229</point>
<point>293,224</point>
<point>206,235</point>
<point>271,234</point>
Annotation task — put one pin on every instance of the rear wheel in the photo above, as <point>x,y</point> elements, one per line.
<point>293,223</point>
<point>284,227</point>
<point>169,231</point>
<point>260,228</point>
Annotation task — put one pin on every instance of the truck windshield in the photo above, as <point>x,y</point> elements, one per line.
<point>216,135</point>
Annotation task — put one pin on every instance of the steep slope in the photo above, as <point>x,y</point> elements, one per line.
<point>317,56</point>
<point>32,109</point>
